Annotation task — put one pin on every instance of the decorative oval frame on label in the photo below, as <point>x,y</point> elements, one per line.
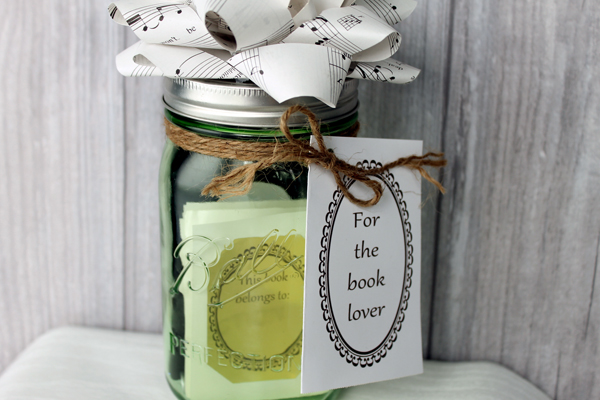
<point>375,355</point>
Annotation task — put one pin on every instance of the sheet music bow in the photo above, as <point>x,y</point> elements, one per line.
<point>300,48</point>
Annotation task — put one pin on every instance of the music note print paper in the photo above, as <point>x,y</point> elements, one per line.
<point>389,70</point>
<point>252,23</point>
<point>302,10</point>
<point>177,62</point>
<point>288,71</point>
<point>354,30</point>
<point>160,22</point>
<point>290,48</point>
<point>392,11</point>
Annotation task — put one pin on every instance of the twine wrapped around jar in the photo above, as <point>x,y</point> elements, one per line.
<point>239,181</point>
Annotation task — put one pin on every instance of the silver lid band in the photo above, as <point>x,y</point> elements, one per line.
<point>246,105</point>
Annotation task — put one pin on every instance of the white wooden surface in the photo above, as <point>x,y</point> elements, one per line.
<point>510,90</point>
<point>93,364</point>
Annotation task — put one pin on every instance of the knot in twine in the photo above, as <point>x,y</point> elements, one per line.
<point>239,181</point>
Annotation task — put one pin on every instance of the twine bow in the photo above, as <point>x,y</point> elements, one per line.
<point>239,181</point>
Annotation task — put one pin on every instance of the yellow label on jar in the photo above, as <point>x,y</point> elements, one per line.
<point>255,309</point>
<point>242,287</point>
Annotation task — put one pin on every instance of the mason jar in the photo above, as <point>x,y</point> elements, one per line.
<point>233,269</point>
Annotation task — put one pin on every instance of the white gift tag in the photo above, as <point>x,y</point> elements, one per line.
<point>362,272</point>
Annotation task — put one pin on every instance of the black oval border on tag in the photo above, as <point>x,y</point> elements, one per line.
<point>375,355</point>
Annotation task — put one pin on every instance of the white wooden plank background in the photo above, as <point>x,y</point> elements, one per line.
<point>62,170</point>
<point>510,90</point>
<point>520,227</point>
<point>416,111</point>
<point>144,133</point>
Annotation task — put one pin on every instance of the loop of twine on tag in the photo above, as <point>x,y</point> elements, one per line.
<point>239,181</point>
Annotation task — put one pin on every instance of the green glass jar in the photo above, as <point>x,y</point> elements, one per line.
<point>233,270</point>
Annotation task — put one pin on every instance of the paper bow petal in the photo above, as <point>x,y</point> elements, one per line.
<point>302,10</point>
<point>292,70</point>
<point>320,41</point>
<point>389,70</point>
<point>242,25</point>
<point>322,5</point>
<point>392,11</point>
<point>175,23</point>
<point>177,62</point>
<point>131,62</point>
<point>353,30</point>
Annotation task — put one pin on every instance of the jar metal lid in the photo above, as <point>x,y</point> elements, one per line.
<point>245,104</point>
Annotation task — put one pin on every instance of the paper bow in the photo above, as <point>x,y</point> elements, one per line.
<point>300,48</point>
